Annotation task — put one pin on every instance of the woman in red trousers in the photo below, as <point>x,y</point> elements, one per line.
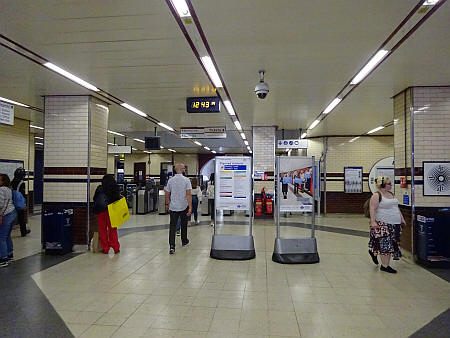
<point>106,193</point>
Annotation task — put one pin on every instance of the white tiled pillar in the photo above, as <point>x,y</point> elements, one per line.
<point>264,157</point>
<point>75,157</point>
<point>421,125</point>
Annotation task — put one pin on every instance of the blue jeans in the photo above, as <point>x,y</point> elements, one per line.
<point>195,207</point>
<point>6,244</point>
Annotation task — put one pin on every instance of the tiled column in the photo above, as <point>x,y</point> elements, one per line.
<point>75,157</point>
<point>421,125</point>
<point>264,156</point>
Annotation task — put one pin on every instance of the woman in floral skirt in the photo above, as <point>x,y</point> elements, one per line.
<point>385,225</point>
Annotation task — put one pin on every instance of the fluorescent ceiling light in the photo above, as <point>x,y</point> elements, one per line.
<point>102,106</point>
<point>213,151</point>
<point>246,142</point>
<point>251,152</point>
<point>207,148</point>
<point>303,135</point>
<point>71,76</point>
<point>369,66</point>
<point>133,148</point>
<point>115,133</point>
<point>41,144</point>
<point>111,144</point>
<point>430,2</point>
<point>133,109</point>
<point>331,106</point>
<point>229,107</point>
<point>354,139</point>
<point>182,8</point>
<point>238,125</point>
<point>243,136</point>
<point>375,129</point>
<point>161,147</point>
<point>315,123</point>
<point>171,150</point>
<point>248,148</point>
<point>148,152</point>
<point>139,140</point>
<point>31,126</point>
<point>197,143</point>
<point>13,102</point>
<point>39,138</point>
<point>166,126</point>
<point>212,72</point>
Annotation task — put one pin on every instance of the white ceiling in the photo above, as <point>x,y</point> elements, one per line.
<point>309,50</point>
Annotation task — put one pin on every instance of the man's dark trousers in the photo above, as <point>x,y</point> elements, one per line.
<point>174,215</point>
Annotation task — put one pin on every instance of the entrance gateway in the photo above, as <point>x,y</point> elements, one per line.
<point>295,192</point>
<point>233,191</point>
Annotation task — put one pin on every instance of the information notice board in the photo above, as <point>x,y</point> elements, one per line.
<point>233,183</point>
<point>353,180</point>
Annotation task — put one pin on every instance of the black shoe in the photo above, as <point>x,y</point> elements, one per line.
<point>172,251</point>
<point>388,269</point>
<point>4,263</point>
<point>10,258</point>
<point>26,233</point>
<point>374,258</point>
<point>185,243</point>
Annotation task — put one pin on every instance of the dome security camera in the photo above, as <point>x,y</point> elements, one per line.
<point>262,88</point>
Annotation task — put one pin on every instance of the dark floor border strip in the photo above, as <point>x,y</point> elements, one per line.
<point>439,327</point>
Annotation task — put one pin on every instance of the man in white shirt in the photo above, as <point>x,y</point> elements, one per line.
<point>179,203</point>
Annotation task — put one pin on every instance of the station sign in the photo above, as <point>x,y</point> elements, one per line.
<point>6,113</point>
<point>203,132</point>
<point>119,149</point>
<point>203,104</point>
<point>293,144</point>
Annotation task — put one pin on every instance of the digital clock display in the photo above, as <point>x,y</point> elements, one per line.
<point>203,104</point>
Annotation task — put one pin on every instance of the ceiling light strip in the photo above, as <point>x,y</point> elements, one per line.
<point>4,99</point>
<point>71,76</point>
<point>350,88</point>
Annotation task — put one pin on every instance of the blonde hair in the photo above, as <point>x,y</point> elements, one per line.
<point>380,182</point>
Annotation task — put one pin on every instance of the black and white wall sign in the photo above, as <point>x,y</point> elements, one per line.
<point>6,113</point>
<point>353,181</point>
<point>436,178</point>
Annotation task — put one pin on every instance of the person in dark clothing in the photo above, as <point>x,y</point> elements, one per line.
<point>106,193</point>
<point>19,185</point>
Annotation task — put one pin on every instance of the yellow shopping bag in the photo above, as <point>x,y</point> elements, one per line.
<point>118,212</point>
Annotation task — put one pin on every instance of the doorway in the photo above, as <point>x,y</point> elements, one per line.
<point>139,172</point>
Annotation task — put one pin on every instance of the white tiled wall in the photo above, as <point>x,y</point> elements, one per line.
<point>65,192</point>
<point>66,131</point>
<point>263,155</point>
<point>431,135</point>
<point>99,136</point>
<point>14,141</point>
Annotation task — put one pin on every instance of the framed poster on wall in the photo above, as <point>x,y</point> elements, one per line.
<point>353,181</point>
<point>436,178</point>
<point>9,166</point>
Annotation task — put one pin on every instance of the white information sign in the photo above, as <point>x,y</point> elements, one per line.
<point>206,132</point>
<point>353,181</point>
<point>6,113</point>
<point>295,144</point>
<point>233,183</point>
<point>383,167</point>
<point>119,149</point>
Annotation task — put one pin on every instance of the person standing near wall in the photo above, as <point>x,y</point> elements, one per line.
<point>8,216</point>
<point>19,185</point>
<point>211,193</point>
<point>385,218</point>
<point>106,193</point>
<point>179,204</point>
<point>196,196</point>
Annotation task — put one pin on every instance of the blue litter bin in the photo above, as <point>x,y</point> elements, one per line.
<point>57,231</point>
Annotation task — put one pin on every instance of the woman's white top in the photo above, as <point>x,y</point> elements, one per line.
<point>197,191</point>
<point>6,202</point>
<point>210,191</point>
<point>387,211</point>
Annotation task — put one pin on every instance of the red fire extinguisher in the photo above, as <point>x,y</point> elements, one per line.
<point>403,183</point>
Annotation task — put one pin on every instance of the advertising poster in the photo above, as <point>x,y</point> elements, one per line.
<point>296,184</point>
<point>233,183</point>
<point>353,181</point>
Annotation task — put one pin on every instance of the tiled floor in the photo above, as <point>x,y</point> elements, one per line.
<point>145,292</point>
